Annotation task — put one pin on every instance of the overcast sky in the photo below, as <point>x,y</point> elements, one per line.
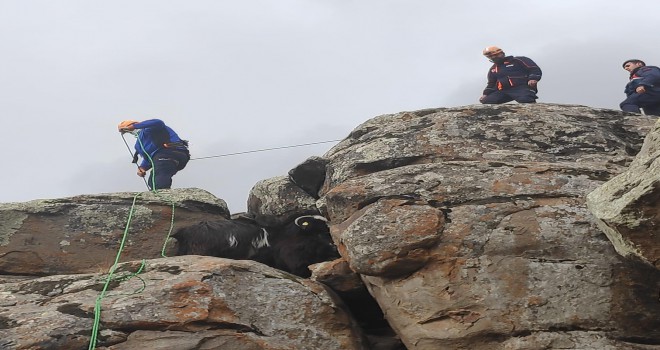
<point>235,76</point>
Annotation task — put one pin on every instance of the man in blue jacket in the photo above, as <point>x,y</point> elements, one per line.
<point>160,148</point>
<point>643,89</point>
<point>510,78</point>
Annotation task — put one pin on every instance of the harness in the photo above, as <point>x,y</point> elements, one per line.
<point>178,144</point>
<point>181,146</point>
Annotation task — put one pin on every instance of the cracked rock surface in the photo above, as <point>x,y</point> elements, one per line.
<point>191,302</point>
<point>469,227</point>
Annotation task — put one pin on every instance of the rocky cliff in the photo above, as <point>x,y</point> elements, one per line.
<point>471,227</point>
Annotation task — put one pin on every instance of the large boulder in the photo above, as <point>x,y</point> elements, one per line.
<point>187,302</point>
<point>277,201</point>
<point>628,206</point>
<point>469,227</point>
<point>602,138</point>
<point>83,233</point>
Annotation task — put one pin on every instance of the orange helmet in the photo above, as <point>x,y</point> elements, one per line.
<point>492,51</point>
<point>125,124</point>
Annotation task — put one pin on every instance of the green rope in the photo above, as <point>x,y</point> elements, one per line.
<point>97,304</point>
<point>167,199</point>
<point>132,275</point>
<point>169,232</point>
<point>109,278</point>
<point>155,191</point>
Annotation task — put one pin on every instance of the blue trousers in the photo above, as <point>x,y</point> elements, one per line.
<point>167,162</point>
<point>649,101</point>
<point>522,94</point>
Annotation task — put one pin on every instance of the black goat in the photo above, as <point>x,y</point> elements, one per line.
<point>293,248</point>
<point>303,242</point>
<point>231,239</point>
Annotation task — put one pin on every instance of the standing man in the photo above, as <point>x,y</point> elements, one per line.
<point>510,78</point>
<point>160,148</point>
<point>643,89</point>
